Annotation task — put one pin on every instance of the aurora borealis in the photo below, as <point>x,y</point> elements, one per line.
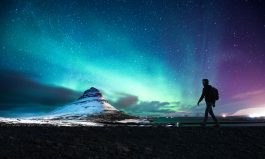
<point>146,56</point>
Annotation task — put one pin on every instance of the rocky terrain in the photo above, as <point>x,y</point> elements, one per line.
<point>46,142</point>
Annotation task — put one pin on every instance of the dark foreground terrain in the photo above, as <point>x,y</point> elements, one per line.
<point>39,142</point>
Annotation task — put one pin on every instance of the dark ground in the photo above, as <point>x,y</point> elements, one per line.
<point>39,142</point>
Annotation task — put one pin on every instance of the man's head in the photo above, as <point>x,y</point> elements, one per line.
<point>205,82</point>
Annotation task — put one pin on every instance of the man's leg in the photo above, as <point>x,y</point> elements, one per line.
<point>205,116</point>
<point>212,114</point>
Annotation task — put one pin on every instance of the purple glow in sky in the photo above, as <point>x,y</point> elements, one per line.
<point>147,57</point>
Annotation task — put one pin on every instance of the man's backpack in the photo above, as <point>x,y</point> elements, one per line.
<point>215,93</point>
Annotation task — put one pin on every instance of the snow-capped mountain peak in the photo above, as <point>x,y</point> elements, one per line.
<point>91,102</point>
<point>91,92</point>
<point>89,109</point>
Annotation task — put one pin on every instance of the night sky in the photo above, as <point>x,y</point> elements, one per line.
<point>146,56</point>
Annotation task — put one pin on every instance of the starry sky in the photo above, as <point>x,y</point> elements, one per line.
<point>146,56</point>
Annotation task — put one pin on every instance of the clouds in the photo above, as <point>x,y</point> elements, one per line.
<point>252,112</point>
<point>249,94</point>
<point>126,101</point>
<point>160,108</point>
<point>133,105</point>
<point>20,89</point>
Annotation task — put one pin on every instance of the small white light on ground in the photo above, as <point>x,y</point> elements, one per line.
<point>223,115</point>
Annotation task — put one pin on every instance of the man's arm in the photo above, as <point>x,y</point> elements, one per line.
<point>201,98</point>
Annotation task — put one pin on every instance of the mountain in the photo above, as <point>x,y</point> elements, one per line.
<point>90,106</point>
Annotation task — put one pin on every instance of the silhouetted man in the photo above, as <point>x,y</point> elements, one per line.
<point>208,94</point>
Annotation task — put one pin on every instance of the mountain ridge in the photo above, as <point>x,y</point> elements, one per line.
<point>91,106</point>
